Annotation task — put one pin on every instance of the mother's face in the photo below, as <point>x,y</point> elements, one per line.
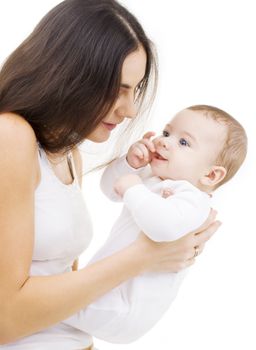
<point>133,71</point>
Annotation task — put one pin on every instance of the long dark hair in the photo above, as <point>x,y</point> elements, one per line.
<point>64,78</point>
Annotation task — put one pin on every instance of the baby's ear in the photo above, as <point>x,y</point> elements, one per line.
<point>215,175</point>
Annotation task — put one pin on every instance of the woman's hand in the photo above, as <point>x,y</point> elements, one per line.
<point>177,255</point>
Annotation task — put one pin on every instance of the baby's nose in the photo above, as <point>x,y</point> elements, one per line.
<point>164,142</point>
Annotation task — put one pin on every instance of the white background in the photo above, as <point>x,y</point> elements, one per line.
<point>206,56</point>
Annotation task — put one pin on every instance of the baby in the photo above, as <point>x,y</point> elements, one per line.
<point>166,185</point>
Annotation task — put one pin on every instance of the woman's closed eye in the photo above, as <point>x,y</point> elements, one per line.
<point>138,92</point>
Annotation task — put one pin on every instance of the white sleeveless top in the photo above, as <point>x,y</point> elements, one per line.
<point>63,230</point>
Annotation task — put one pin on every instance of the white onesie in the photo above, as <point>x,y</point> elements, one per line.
<point>134,307</point>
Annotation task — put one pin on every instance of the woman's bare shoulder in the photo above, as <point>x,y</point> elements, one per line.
<point>18,145</point>
<point>15,125</point>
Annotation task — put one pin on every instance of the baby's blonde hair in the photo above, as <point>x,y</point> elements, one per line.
<point>234,149</point>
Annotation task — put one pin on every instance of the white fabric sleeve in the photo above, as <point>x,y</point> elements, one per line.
<point>167,219</point>
<point>112,172</point>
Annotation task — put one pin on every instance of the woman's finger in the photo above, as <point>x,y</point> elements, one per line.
<point>205,235</point>
<point>190,262</point>
<point>211,218</point>
<point>196,251</point>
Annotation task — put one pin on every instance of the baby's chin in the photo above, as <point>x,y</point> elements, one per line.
<point>157,173</point>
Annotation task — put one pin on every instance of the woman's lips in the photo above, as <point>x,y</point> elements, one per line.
<point>109,126</point>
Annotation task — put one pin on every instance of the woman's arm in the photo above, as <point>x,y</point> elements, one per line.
<point>28,304</point>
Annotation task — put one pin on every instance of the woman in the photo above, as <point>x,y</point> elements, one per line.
<point>83,70</point>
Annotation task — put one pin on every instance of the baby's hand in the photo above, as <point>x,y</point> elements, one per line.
<point>139,154</point>
<point>125,182</point>
<point>167,192</point>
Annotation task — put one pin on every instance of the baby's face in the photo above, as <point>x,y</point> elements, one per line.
<point>188,147</point>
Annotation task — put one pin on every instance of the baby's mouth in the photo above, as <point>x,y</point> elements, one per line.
<point>158,156</point>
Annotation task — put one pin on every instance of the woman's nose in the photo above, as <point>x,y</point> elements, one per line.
<point>128,109</point>
<point>132,111</point>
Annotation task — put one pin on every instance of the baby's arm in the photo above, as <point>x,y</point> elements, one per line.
<point>164,219</point>
<point>134,162</point>
<point>114,171</point>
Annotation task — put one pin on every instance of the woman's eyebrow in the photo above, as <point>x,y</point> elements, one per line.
<point>125,86</point>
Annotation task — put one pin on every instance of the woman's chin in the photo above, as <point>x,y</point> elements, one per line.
<point>98,140</point>
<point>99,137</point>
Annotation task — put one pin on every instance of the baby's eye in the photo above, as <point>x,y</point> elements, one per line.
<point>183,142</point>
<point>166,133</point>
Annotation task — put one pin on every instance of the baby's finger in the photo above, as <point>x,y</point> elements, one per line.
<point>149,134</point>
<point>145,151</point>
<point>141,151</point>
<point>137,152</point>
<point>167,192</point>
<point>149,144</point>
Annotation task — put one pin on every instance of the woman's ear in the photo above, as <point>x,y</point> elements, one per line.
<point>215,175</point>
